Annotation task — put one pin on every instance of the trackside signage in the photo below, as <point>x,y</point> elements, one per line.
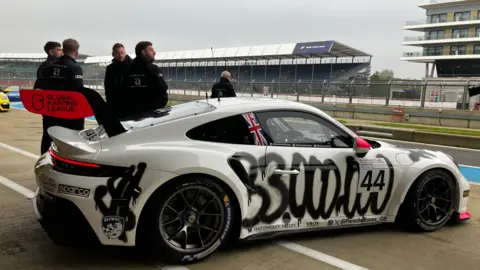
<point>313,47</point>
<point>61,104</point>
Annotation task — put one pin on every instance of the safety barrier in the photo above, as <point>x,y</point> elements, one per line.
<point>411,135</point>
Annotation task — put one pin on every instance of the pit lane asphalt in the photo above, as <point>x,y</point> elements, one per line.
<point>24,245</point>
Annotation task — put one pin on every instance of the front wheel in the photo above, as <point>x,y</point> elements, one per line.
<point>429,203</point>
<point>190,220</point>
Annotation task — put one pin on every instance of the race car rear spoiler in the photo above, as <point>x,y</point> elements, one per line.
<point>72,104</point>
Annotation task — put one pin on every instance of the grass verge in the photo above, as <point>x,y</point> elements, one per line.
<point>453,131</point>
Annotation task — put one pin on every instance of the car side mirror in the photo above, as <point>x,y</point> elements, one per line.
<point>361,147</point>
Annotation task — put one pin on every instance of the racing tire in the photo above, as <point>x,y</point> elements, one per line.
<point>214,220</point>
<point>419,212</point>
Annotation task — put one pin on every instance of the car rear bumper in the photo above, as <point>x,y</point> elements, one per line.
<point>62,220</point>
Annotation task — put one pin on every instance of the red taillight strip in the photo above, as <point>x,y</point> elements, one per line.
<point>79,163</point>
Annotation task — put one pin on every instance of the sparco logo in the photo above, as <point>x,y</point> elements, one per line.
<point>76,191</point>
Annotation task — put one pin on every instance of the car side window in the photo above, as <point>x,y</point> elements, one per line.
<point>292,128</point>
<point>231,129</point>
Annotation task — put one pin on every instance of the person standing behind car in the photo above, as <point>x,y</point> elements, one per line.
<point>143,83</point>
<point>53,50</point>
<point>114,76</point>
<point>224,85</point>
<point>63,74</point>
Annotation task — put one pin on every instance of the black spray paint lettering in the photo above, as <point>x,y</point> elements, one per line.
<point>126,192</point>
<point>324,211</point>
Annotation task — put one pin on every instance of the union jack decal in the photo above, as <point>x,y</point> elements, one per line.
<point>255,129</point>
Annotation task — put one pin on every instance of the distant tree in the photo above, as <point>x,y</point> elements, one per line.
<point>383,75</point>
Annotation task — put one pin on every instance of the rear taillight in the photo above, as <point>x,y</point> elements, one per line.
<point>68,166</point>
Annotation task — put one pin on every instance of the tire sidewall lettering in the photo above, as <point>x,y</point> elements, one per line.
<point>228,221</point>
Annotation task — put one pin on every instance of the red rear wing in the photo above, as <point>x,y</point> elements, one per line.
<point>72,105</point>
<point>61,104</point>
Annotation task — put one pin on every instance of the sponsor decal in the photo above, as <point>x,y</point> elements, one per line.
<point>311,224</point>
<point>312,47</point>
<point>113,226</point>
<point>354,221</point>
<point>47,183</point>
<point>75,191</point>
<point>61,104</point>
<point>124,190</point>
<point>273,227</point>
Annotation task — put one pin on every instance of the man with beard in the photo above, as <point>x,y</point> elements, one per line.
<point>114,76</point>
<point>143,83</point>
<point>53,50</point>
<point>224,86</point>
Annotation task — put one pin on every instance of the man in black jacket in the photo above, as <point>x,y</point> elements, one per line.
<point>53,50</point>
<point>143,83</point>
<point>114,76</point>
<point>63,74</point>
<point>224,85</point>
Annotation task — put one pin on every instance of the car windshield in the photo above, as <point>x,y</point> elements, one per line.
<point>167,114</point>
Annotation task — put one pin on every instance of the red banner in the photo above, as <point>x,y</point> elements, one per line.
<point>61,104</point>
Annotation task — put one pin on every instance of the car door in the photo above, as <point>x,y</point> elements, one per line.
<point>242,133</point>
<point>313,176</point>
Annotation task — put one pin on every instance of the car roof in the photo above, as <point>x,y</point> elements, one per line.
<point>243,104</point>
<point>222,108</point>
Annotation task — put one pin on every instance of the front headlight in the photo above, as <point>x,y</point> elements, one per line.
<point>3,96</point>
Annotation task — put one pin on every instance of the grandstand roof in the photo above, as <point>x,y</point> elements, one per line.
<point>32,56</point>
<point>315,49</point>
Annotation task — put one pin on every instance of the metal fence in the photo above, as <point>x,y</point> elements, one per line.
<point>438,93</point>
<point>434,93</point>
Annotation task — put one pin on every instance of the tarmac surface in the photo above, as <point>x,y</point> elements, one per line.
<point>24,245</point>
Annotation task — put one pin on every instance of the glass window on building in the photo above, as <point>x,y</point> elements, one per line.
<point>458,50</point>
<point>437,18</point>
<point>477,32</point>
<point>436,50</point>
<point>462,16</point>
<point>476,49</point>
<point>460,33</point>
<point>437,34</point>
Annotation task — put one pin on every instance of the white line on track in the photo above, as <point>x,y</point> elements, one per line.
<point>319,256</point>
<point>16,187</point>
<point>19,151</point>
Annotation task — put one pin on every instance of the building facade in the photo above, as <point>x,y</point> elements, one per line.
<point>449,40</point>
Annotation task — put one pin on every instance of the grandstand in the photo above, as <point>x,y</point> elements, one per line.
<point>314,62</point>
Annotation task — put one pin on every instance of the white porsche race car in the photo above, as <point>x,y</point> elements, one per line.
<point>186,179</point>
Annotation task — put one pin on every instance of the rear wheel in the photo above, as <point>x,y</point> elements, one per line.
<point>429,203</point>
<point>190,220</point>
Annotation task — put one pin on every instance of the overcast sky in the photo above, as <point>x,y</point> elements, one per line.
<point>374,26</point>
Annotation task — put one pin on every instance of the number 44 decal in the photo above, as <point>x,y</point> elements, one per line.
<point>379,181</point>
<point>373,174</point>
